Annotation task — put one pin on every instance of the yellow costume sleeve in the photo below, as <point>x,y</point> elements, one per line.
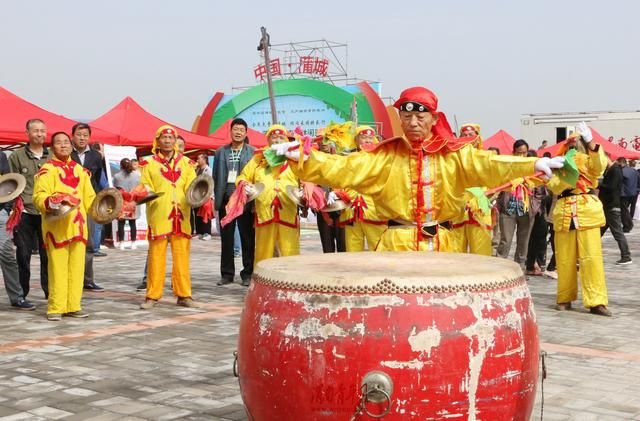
<point>88,194</point>
<point>483,168</point>
<point>248,173</point>
<point>362,171</point>
<point>44,187</point>
<point>189,173</point>
<point>145,177</point>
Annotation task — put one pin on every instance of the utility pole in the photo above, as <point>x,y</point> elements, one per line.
<point>264,46</point>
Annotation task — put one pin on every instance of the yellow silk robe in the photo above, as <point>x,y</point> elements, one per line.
<point>390,175</point>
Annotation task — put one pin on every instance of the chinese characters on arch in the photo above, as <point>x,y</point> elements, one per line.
<point>309,65</point>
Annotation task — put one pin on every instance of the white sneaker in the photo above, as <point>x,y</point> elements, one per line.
<point>133,246</point>
<point>551,274</point>
<point>205,237</point>
<point>121,245</point>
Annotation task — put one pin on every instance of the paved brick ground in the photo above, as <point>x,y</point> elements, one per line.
<point>175,363</point>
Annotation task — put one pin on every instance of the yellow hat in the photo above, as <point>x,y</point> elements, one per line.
<point>276,129</point>
<point>165,129</point>
<point>476,128</point>
<point>365,130</point>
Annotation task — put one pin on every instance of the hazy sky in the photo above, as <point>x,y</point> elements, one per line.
<point>488,61</point>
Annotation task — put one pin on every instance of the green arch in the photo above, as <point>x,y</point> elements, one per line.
<point>337,99</point>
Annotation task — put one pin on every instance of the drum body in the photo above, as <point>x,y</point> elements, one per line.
<point>454,335</point>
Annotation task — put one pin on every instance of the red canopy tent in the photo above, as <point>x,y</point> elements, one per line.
<point>134,126</point>
<point>501,140</point>
<point>256,138</point>
<point>15,111</point>
<point>615,151</point>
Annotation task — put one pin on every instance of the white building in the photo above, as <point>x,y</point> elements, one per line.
<point>554,127</point>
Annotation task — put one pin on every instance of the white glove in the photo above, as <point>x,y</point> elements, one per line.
<point>250,189</point>
<point>585,132</point>
<point>547,164</point>
<point>282,149</point>
<point>331,198</point>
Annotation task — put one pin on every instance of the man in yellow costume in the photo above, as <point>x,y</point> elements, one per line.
<point>276,214</point>
<point>577,218</point>
<point>61,183</point>
<point>360,219</point>
<point>415,180</point>
<point>169,174</point>
<point>473,232</point>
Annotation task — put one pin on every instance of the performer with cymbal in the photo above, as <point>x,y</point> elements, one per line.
<point>276,217</point>
<point>63,193</point>
<point>167,174</point>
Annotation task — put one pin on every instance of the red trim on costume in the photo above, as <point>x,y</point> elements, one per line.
<point>143,162</point>
<point>176,216</point>
<point>150,236</point>
<point>69,179</point>
<point>64,243</point>
<point>42,171</point>
<point>170,172</point>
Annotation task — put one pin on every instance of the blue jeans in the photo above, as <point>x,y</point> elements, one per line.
<point>236,241</point>
<point>97,237</point>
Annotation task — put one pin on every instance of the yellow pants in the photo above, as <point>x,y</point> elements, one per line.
<point>268,237</point>
<point>180,279</point>
<point>404,239</point>
<point>583,247</point>
<point>355,235</point>
<point>471,238</point>
<point>66,277</point>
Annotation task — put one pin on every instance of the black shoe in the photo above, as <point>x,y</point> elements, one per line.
<point>93,287</point>
<point>225,280</point>
<point>99,253</point>
<point>23,304</point>
<point>624,261</point>
<point>142,286</point>
<point>246,282</point>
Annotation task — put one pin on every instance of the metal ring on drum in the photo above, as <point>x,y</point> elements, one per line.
<point>426,335</point>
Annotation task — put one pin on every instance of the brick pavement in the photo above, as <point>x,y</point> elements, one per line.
<point>175,363</point>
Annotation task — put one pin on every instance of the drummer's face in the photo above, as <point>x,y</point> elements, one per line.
<point>417,125</point>
<point>61,146</point>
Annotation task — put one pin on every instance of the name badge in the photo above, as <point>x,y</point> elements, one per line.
<point>232,176</point>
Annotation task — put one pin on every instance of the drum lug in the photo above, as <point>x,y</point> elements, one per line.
<point>379,385</point>
<point>235,364</point>
<point>376,387</point>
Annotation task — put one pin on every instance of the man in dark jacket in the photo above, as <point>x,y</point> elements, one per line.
<point>27,161</point>
<point>610,190</point>
<point>629,194</point>
<point>92,161</point>
<point>228,164</point>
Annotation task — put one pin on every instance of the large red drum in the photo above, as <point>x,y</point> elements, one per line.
<point>397,336</point>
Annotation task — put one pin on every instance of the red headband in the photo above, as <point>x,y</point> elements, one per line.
<point>367,132</point>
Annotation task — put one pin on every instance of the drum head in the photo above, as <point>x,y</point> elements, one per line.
<point>389,272</point>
